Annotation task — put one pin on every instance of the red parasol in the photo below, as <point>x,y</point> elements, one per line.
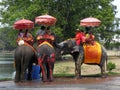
<point>45,20</point>
<point>90,22</point>
<point>23,24</point>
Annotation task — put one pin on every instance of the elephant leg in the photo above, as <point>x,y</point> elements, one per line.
<point>50,65</point>
<point>44,72</point>
<point>17,75</point>
<point>75,55</point>
<point>78,66</point>
<point>42,65</point>
<point>23,73</point>
<point>102,70</point>
<point>48,71</point>
<point>29,72</point>
<point>51,61</point>
<point>76,70</point>
<point>80,71</point>
<point>79,62</point>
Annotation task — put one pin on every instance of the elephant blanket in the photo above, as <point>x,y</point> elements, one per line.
<point>92,53</point>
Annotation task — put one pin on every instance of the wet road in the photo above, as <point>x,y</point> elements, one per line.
<point>86,83</point>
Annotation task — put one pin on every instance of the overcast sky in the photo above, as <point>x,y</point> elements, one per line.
<point>117,3</point>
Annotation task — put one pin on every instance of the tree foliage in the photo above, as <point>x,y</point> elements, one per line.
<point>68,14</point>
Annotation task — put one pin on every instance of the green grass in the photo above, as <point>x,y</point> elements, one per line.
<point>93,75</point>
<point>63,75</point>
<point>113,73</point>
<point>5,79</point>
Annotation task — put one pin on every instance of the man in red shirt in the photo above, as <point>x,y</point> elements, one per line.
<point>79,37</point>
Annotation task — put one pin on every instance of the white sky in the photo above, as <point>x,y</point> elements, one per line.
<point>117,3</point>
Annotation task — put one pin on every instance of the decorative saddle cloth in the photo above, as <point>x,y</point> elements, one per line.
<point>45,42</point>
<point>92,53</point>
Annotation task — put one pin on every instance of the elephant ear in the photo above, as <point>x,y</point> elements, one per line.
<point>75,49</point>
<point>81,49</point>
<point>21,42</point>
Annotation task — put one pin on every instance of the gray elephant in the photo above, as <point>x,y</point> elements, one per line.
<point>46,59</point>
<point>69,46</point>
<point>24,58</point>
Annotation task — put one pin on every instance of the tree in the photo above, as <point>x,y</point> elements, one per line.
<point>68,14</point>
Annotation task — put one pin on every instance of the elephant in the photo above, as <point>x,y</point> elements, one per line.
<point>68,47</point>
<point>46,59</point>
<point>25,56</point>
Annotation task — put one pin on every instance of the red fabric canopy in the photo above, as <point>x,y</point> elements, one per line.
<point>23,24</point>
<point>45,20</point>
<point>90,22</point>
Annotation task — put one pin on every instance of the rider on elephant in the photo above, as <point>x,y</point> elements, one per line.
<point>80,38</point>
<point>25,37</point>
<point>47,36</point>
<point>90,38</point>
<point>41,31</point>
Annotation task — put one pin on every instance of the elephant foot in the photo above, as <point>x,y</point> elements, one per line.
<point>16,81</point>
<point>80,77</point>
<point>44,80</point>
<point>50,80</point>
<point>76,77</point>
<point>103,76</point>
<point>29,79</point>
<point>23,81</point>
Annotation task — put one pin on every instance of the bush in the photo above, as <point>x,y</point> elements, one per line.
<point>111,66</point>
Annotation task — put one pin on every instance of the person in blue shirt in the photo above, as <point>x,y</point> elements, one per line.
<point>41,31</point>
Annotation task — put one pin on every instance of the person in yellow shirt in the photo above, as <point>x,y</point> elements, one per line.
<point>89,38</point>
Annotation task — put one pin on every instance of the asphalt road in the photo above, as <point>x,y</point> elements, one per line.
<point>87,83</point>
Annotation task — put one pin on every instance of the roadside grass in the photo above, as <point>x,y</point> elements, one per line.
<point>113,73</point>
<point>5,79</point>
<point>67,68</point>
